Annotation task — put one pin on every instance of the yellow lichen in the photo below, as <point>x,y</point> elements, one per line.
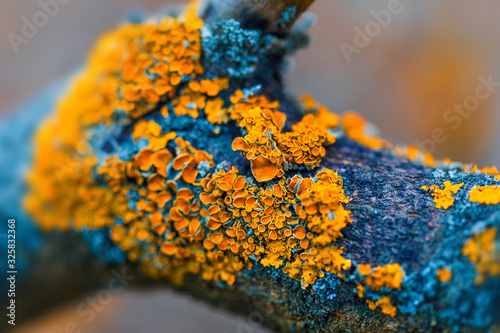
<point>384,304</point>
<point>364,269</point>
<point>271,151</point>
<point>264,169</point>
<point>162,206</point>
<point>322,115</point>
<point>413,153</point>
<point>480,250</point>
<point>490,171</point>
<point>114,81</point>
<point>194,97</point>
<point>444,275</point>
<point>355,128</point>
<point>276,230</point>
<point>389,276</point>
<point>322,205</point>
<point>473,168</point>
<point>443,197</point>
<point>386,276</point>
<point>361,290</point>
<point>488,195</point>
<point>215,112</point>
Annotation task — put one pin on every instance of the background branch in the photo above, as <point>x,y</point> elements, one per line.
<point>271,16</point>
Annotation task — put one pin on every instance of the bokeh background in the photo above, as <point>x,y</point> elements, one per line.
<point>428,58</point>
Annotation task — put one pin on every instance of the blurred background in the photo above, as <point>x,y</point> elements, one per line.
<point>410,78</point>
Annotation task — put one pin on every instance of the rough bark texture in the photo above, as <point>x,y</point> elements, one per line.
<point>271,16</point>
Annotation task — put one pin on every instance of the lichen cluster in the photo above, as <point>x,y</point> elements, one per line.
<point>271,151</point>
<point>489,195</point>
<point>480,250</point>
<point>165,203</point>
<point>443,197</point>
<point>380,277</point>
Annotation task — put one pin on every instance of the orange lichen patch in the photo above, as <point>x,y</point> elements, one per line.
<point>447,161</point>
<point>497,177</point>
<point>321,209</point>
<point>152,131</point>
<point>355,127</point>
<point>308,101</point>
<point>413,153</point>
<point>488,195</point>
<point>272,260</point>
<point>149,61</point>
<point>428,159</point>
<point>364,269</point>
<point>326,118</point>
<point>216,113</point>
<point>473,168</point>
<point>189,160</point>
<point>444,275</point>
<point>61,178</point>
<point>480,250</point>
<point>299,232</point>
<point>144,159</point>
<point>322,206</point>
<point>304,145</point>
<point>160,160</point>
<point>384,304</point>
<point>263,169</point>
<point>265,141</point>
<point>443,197</point>
<point>234,205</point>
<point>169,248</point>
<point>61,185</point>
<point>161,52</point>
<point>172,219</point>
<point>116,79</point>
<point>261,120</point>
<point>194,98</point>
<point>309,265</point>
<point>361,290</point>
<point>146,129</point>
<point>323,116</point>
<point>386,276</point>
<point>490,171</point>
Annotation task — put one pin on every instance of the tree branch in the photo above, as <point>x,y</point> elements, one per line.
<point>271,16</point>
<point>394,221</point>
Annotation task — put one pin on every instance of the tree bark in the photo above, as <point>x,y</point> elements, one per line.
<point>271,16</point>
